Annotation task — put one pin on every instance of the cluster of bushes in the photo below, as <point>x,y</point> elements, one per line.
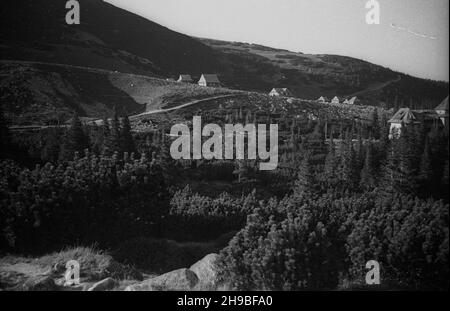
<point>306,242</point>
<point>408,236</point>
<point>364,202</point>
<point>364,199</point>
<point>416,163</point>
<point>91,199</point>
<point>191,215</point>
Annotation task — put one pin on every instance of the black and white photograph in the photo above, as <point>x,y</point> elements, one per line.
<point>211,149</point>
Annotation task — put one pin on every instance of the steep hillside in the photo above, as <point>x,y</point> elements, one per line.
<point>108,37</point>
<point>36,93</point>
<point>101,58</point>
<point>305,74</point>
<point>49,69</point>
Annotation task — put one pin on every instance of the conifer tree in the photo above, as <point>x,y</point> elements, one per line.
<point>5,137</point>
<point>350,168</point>
<point>421,135</point>
<point>438,153</point>
<point>384,134</point>
<point>330,164</point>
<point>375,124</point>
<point>305,182</point>
<point>316,141</point>
<point>113,141</point>
<point>368,179</point>
<point>75,140</point>
<point>105,131</point>
<point>126,136</point>
<point>348,171</point>
<point>425,176</point>
<point>445,181</point>
<point>164,159</point>
<point>51,146</point>
<point>360,152</point>
<point>398,175</point>
<point>408,161</point>
<point>390,169</point>
<point>248,117</point>
<point>241,170</point>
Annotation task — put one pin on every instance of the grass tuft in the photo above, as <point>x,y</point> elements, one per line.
<point>95,264</point>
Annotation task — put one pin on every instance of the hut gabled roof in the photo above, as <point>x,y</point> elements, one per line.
<point>405,115</point>
<point>282,91</point>
<point>186,78</point>
<point>353,100</point>
<point>210,78</point>
<point>443,105</point>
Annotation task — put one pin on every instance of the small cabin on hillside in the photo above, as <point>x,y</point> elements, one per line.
<point>282,92</point>
<point>209,80</point>
<point>409,117</point>
<point>442,111</point>
<point>335,100</point>
<point>353,101</point>
<point>404,116</point>
<point>323,100</point>
<point>185,79</point>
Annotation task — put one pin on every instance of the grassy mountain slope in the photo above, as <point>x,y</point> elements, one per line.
<point>310,76</point>
<point>306,75</point>
<point>36,93</point>
<point>106,38</point>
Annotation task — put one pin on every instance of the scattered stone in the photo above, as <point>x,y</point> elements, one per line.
<point>106,284</point>
<point>40,283</point>
<point>77,288</point>
<point>178,280</point>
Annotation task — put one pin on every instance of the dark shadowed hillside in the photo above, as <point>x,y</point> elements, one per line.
<point>108,37</point>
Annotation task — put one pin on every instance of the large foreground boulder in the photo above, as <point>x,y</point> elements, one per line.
<point>106,284</point>
<point>207,272</point>
<point>178,280</point>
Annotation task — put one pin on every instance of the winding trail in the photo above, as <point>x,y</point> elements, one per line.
<point>99,70</point>
<point>84,68</point>
<point>134,117</point>
<point>376,87</point>
<point>181,106</point>
<point>188,104</point>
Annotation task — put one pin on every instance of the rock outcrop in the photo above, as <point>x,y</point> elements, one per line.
<point>106,284</point>
<point>178,280</point>
<point>207,272</point>
<point>203,275</point>
<point>40,283</point>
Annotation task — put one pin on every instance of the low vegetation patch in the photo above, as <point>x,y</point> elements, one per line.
<point>17,273</point>
<point>95,264</point>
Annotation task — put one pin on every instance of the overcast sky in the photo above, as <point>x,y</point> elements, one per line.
<point>417,43</point>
